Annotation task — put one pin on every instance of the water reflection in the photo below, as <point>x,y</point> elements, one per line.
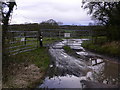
<point>68,81</point>
<point>106,72</point>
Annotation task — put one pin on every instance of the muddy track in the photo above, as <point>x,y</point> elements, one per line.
<point>88,70</point>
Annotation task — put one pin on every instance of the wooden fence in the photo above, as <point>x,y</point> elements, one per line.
<point>21,41</point>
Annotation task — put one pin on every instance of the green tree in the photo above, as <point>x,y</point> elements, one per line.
<point>107,14</point>
<point>49,24</point>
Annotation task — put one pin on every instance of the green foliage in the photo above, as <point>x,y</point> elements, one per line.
<point>100,40</point>
<point>24,27</point>
<point>103,11</point>
<point>113,48</point>
<point>67,48</point>
<point>50,24</point>
<point>39,57</point>
<point>114,33</point>
<point>71,52</point>
<point>106,13</point>
<point>109,48</point>
<point>50,40</point>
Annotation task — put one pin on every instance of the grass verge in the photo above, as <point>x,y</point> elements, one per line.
<point>70,51</point>
<point>106,48</point>
<point>22,65</point>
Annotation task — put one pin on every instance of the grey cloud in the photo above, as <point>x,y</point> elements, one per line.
<point>66,11</point>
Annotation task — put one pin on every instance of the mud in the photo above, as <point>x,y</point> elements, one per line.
<point>24,77</point>
<point>69,72</point>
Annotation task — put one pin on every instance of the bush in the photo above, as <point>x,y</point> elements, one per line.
<point>109,48</point>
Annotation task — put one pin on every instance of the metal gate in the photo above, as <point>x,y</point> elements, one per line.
<point>62,33</point>
<point>21,41</point>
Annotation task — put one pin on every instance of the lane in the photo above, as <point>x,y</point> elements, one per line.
<point>68,72</point>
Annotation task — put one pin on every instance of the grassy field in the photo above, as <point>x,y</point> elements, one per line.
<point>50,40</point>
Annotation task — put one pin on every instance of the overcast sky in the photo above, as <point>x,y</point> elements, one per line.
<point>36,11</point>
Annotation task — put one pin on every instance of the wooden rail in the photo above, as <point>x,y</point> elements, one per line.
<point>21,41</point>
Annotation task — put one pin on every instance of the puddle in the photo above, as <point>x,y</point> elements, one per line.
<point>67,71</point>
<point>68,81</point>
<point>106,72</point>
<point>82,53</point>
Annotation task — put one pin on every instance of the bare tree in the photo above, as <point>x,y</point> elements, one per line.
<point>7,9</point>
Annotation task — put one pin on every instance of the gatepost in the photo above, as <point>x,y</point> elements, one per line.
<point>40,39</point>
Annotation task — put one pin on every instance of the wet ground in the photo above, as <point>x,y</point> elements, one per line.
<point>90,70</point>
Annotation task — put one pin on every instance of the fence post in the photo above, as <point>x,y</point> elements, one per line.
<point>37,39</point>
<point>40,39</point>
<point>13,36</point>
<point>50,34</point>
<point>59,34</point>
<point>91,35</point>
<point>25,37</point>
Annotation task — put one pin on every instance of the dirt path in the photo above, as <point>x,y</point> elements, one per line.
<point>68,72</point>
